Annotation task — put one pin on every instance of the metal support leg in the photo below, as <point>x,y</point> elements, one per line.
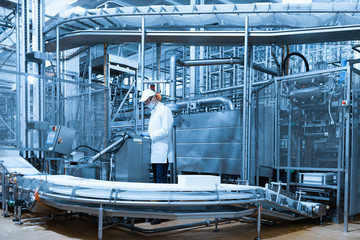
<point>19,222</point>
<point>3,190</point>
<point>132,226</point>
<point>100,227</point>
<point>15,214</point>
<point>216,225</point>
<point>258,223</point>
<point>6,214</point>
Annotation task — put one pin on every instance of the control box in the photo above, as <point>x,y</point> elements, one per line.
<point>60,139</point>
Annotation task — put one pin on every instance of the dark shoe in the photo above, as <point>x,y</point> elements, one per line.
<point>156,221</point>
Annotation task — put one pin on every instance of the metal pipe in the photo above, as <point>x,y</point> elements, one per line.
<point>154,203</point>
<point>142,69</point>
<point>100,223</point>
<point>173,79</point>
<point>235,87</point>
<point>174,164</point>
<point>18,95</point>
<point>347,152</point>
<point>226,61</point>
<point>249,118</point>
<point>89,96</point>
<point>57,76</point>
<point>258,223</point>
<point>276,129</point>
<point>107,149</point>
<point>245,102</point>
<point>208,101</point>
<point>3,202</point>
<point>171,228</point>
<point>289,149</point>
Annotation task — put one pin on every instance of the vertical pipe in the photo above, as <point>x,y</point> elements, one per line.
<point>174,164</point>
<point>137,77</point>
<point>100,223</point>
<point>57,75</point>
<point>259,222</point>
<point>18,100</point>
<point>201,69</point>
<point>90,102</point>
<point>3,189</point>
<point>276,134</point>
<point>183,75</point>
<point>245,102</point>
<point>158,64</point>
<point>347,152</point>
<point>289,151</point>
<point>105,93</point>
<point>257,112</point>
<point>173,79</point>
<point>142,69</point>
<point>249,118</point>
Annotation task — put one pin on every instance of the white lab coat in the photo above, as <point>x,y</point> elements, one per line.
<point>160,131</point>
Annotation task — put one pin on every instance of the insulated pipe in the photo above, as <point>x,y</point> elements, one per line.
<point>224,61</point>
<point>94,158</point>
<point>208,101</point>
<point>173,79</point>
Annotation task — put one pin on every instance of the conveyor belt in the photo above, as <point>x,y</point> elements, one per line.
<point>192,196</point>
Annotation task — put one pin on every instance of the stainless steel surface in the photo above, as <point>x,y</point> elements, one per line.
<point>132,162</point>
<point>210,143</point>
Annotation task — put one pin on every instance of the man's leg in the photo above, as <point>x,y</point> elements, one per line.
<point>154,171</point>
<point>161,172</point>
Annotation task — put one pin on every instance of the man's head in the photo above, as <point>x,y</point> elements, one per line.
<point>147,97</point>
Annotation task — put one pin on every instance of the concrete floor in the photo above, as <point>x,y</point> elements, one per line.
<point>62,228</point>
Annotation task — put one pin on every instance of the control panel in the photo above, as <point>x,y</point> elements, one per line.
<point>60,139</point>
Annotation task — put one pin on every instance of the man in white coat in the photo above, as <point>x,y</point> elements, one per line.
<point>160,133</point>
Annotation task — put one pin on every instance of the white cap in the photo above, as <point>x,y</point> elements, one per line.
<point>146,94</point>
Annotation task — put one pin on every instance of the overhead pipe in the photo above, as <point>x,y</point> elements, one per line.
<point>209,101</point>
<point>224,61</point>
<point>241,86</point>
<point>172,100</point>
